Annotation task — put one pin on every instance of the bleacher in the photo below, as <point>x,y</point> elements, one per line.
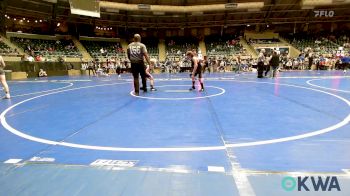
<point>263,41</point>
<point>48,49</point>
<point>5,50</point>
<point>222,46</point>
<point>152,47</point>
<point>102,49</point>
<point>319,44</point>
<point>178,46</point>
<point>343,41</point>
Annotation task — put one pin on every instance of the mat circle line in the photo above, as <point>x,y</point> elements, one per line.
<point>46,91</point>
<point>333,89</point>
<point>181,98</point>
<point>3,121</point>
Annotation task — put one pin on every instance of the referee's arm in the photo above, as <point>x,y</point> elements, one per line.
<point>128,53</point>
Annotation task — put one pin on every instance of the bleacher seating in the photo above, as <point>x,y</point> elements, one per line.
<point>222,46</point>
<point>99,49</point>
<point>5,50</point>
<point>319,44</point>
<point>177,47</point>
<point>47,48</point>
<point>152,46</point>
<point>263,41</point>
<point>343,41</point>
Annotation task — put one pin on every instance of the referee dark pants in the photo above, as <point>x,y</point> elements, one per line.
<point>136,70</point>
<point>260,68</point>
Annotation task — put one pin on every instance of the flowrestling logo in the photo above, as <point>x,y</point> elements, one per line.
<point>324,13</point>
<point>311,183</point>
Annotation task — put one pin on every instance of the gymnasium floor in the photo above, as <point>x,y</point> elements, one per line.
<point>242,136</point>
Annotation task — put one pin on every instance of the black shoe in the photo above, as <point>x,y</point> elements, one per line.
<point>144,89</point>
<point>192,88</point>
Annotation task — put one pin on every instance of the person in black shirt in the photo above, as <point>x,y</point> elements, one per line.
<point>274,63</point>
<point>311,60</point>
<point>206,64</point>
<point>196,70</point>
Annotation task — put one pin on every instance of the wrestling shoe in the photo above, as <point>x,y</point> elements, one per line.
<point>144,89</point>
<point>7,96</point>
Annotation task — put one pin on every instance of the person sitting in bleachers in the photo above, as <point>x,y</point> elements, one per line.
<point>295,63</point>
<point>289,64</point>
<point>38,58</point>
<point>47,48</point>
<point>42,73</point>
<point>30,58</point>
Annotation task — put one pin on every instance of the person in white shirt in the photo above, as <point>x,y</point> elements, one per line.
<point>289,64</point>
<point>222,65</point>
<point>30,59</point>
<point>267,64</point>
<point>296,64</point>
<point>260,63</point>
<point>42,73</point>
